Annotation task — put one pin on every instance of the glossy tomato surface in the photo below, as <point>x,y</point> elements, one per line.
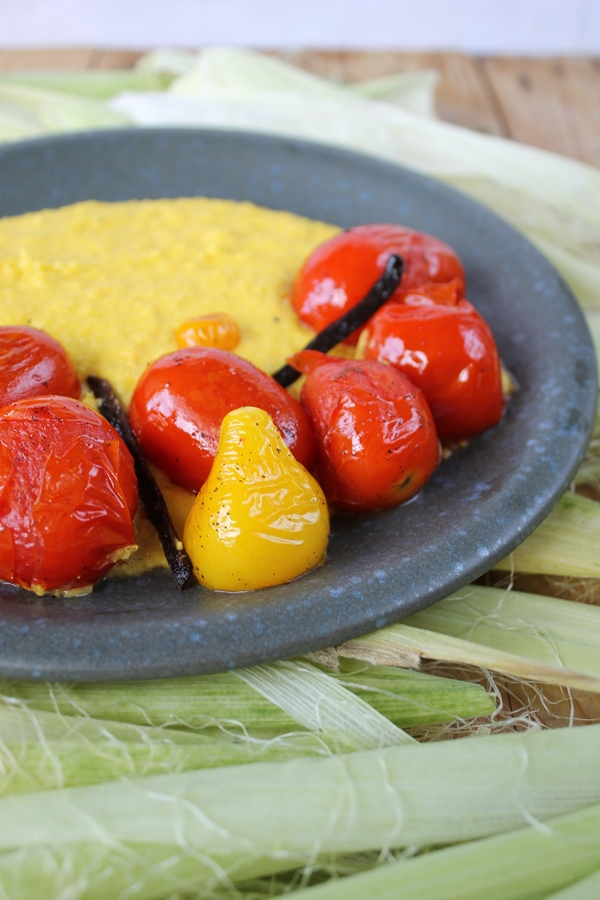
<point>376,440</point>
<point>339,273</point>
<point>446,294</point>
<point>451,354</point>
<point>32,364</point>
<point>215,330</point>
<point>181,400</point>
<point>68,494</point>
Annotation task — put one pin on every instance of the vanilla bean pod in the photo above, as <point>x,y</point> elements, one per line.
<point>359,315</point>
<point>150,493</point>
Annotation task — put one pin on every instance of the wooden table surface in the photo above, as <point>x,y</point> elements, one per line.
<point>552,103</point>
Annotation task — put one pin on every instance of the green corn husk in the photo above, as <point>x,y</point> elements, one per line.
<point>525,635</point>
<point>585,889</point>
<point>191,831</point>
<point>549,630</point>
<point>166,60</point>
<point>323,705</point>
<point>224,701</point>
<point>43,750</point>
<point>95,84</point>
<point>93,870</point>
<point>566,543</point>
<point>198,702</point>
<point>310,698</point>
<point>30,111</point>
<point>412,91</point>
<point>523,865</point>
<point>441,792</point>
<point>380,686</point>
<point>31,766</point>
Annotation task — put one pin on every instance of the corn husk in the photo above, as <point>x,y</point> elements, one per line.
<point>524,865</point>
<point>166,60</point>
<point>44,750</point>
<point>546,629</point>
<point>585,889</point>
<point>95,84</point>
<point>381,687</point>
<point>413,91</point>
<point>367,800</point>
<point>225,703</point>
<point>197,829</point>
<point>220,702</point>
<point>27,111</point>
<point>525,635</point>
<point>95,870</point>
<point>323,705</point>
<point>566,543</point>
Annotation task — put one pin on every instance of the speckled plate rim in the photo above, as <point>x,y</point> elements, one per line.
<point>380,568</point>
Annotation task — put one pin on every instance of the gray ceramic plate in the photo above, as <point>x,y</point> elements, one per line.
<point>382,567</point>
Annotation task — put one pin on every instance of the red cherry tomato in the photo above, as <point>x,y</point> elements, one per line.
<point>450,353</point>
<point>431,293</point>
<point>68,494</point>
<point>341,271</point>
<point>376,440</point>
<point>181,399</point>
<point>33,364</point>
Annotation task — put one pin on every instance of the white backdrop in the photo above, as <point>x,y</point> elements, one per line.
<point>487,26</point>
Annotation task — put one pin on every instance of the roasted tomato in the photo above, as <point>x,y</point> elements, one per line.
<point>430,293</point>
<point>216,330</point>
<point>450,353</point>
<point>341,271</point>
<point>376,440</point>
<point>181,399</point>
<point>68,495</point>
<point>33,364</point>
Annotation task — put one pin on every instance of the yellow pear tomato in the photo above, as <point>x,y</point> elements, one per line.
<point>260,519</point>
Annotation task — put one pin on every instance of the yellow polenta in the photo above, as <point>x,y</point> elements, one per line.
<point>111,281</point>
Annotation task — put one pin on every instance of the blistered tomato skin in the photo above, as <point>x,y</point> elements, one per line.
<point>68,495</point>
<point>260,519</point>
<point>376,441</point>
<point>32,364</point>
<point>340,272</point>
<point>451,354</point>
<point>181,400</point>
